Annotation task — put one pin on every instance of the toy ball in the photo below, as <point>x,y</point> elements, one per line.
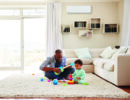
<point>55,82</point>
<point>41,79</point>
<point>44,78</point>
<point>64,84</point>
<point>48,81</point>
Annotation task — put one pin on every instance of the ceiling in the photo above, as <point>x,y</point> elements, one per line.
<point>60,0</point>
<point>89,0</point>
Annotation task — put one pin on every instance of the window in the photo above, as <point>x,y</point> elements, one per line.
<point>34,41</point>
<point>8,12</point>
<point>10,43</point>
<point>22,38</point>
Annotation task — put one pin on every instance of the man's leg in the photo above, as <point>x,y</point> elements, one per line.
<point>51,75</point>
<point>66,72</point>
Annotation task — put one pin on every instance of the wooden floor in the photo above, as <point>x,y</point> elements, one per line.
<point>75,98</point>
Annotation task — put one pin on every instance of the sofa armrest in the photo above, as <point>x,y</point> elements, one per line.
<point>123,69</point>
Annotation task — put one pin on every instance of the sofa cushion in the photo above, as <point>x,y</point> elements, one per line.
<point>128,50</point>
<point>69,53</point>
<point>95,52</point>
<point>107,53</point>
<point>122,50</point>
<point>83,53</point>
<point>99,62</point>
<point>85,61</point>
<point>109,65</point>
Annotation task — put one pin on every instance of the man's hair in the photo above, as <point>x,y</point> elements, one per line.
<point>78,61</point>
<point>58,51</point>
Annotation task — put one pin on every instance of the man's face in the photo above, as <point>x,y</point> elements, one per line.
<point>58,57</point>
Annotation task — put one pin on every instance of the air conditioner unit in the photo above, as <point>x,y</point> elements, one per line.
<point>78,9</point>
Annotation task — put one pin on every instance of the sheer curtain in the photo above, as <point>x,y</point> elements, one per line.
<point>54,38</point>
<point>126,24</point>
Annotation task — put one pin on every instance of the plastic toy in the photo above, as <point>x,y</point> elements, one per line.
<point>41,79</point>
<point>62,68</point>
<point>33,74</point>
<point>85,83</point>
<point>44,78</point>
<point>55,82</point>
<point>64,84</point>
<point>48,81</point>
<point>70,79</point>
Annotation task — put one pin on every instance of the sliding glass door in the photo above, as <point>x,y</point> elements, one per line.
<point>10,52</point>
<point>22,37</point>
<point>34,41</point>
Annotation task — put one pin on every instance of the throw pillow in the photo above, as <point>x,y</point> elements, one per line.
<point>107,53</point>
<point>119,51</point>
<point>83,53</point>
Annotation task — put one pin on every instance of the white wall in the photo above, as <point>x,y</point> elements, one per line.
<point>120,17</point>
<point>108,12</point>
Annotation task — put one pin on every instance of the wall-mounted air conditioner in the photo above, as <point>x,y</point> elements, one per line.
<point>79,9</point>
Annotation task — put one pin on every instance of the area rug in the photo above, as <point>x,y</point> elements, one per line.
<point>28,85</point>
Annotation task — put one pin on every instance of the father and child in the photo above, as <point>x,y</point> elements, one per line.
<point>52,64</point>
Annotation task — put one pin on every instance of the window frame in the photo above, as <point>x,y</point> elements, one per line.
<point>21,18</point>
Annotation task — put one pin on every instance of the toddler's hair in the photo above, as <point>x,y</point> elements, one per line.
<point>78,61</point>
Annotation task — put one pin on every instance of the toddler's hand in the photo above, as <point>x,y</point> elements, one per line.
<point>78,78</point>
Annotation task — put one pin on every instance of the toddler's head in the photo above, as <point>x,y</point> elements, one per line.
<point>78,64</point>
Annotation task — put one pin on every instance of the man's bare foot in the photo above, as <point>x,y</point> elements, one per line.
<point>75,82</point>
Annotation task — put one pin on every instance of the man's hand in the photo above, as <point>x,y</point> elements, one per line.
<point>69,67</point>
<point>78,78</point>
<point>57,70</point>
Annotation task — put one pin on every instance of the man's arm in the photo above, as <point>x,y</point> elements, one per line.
<point>57,70</point>
<point>44,67</point>
<point>45,63</point>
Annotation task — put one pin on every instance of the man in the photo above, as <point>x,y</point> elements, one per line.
<point>52,65</point>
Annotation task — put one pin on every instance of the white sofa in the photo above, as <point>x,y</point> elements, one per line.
<point>116,71</point>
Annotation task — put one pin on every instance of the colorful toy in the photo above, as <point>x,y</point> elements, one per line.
<point>48,81</point>
<point>70,79</point>
<point>64,84</point>
<point>55,82</point>
<point>64,80</point>
<point>33,74</point>
<point>62,68</point>
<point>41,79</point>
<point>85,83</point>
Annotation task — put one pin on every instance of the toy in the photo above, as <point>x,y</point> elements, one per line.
<point>62,68</point>
<point>85,83</point>
<point>70,79</point>
<point>64,84</point>
<point>55,82</point>
<point>33,74</point>
<point>64,80</point>
<point>48,81</point>
<point>41,79</point>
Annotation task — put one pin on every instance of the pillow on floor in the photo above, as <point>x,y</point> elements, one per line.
<point>107,53</point>
<point>83,53</point>
<point>122,50</point>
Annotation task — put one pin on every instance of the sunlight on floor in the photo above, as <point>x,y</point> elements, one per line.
<point>5,74</point>
<point>31,70</point>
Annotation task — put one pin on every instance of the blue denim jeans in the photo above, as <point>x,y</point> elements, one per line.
<point>62,75</point>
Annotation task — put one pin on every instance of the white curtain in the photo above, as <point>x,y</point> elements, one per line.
<point>54,38</point>
<point>126,24</point>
